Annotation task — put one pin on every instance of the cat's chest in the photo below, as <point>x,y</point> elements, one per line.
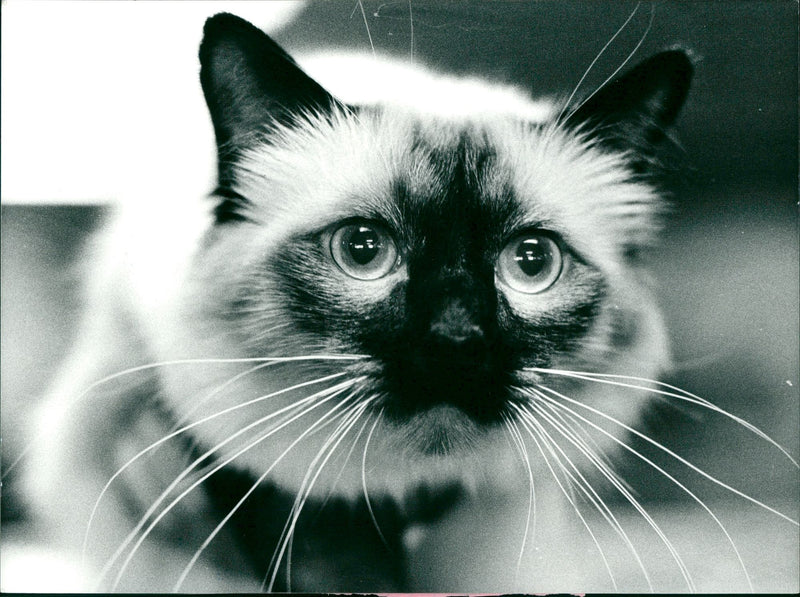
<point>364,544</point>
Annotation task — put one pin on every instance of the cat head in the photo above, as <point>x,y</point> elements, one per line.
<point>450,257</point>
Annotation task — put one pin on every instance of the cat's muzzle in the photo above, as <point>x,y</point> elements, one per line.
<point>457,362</point>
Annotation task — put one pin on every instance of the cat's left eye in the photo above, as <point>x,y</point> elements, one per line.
<point>364,250</point>
<point>530,263</point>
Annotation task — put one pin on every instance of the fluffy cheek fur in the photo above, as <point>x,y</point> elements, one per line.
<point>213,322</point>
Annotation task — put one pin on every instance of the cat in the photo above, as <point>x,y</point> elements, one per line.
<point>387,318</point>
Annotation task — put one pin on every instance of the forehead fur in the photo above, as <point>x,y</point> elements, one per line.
<point>327,168</point>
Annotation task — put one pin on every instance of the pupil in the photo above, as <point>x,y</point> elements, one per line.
<point>531,256</point>
<point>363,245</point>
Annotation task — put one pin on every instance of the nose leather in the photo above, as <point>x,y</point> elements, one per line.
<point>455,324</point>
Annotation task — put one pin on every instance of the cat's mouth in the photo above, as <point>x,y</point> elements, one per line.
<point>441,389</point>
<point>441,430</point>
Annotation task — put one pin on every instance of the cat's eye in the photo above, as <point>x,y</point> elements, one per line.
<point>530,263</point>
<point>364,250</point>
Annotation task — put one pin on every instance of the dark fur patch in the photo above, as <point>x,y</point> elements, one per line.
<point>249,80</point>
<point>229,206</point>
<point>338,533</point>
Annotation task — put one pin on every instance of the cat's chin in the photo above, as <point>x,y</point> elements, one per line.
<point>442,430</point>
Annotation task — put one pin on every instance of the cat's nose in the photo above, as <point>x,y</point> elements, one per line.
<point>458,343</point>
<point>455,324</point>
<point>454,306</point>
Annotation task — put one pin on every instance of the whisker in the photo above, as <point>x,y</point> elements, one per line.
<point>581,434</point>
<point>364,482</point>
<point>344,464</point>
<point>336,437</point>
<point>681,395</point>
<point>290,538</point>
<point>333,392</point>
<point>149,366</point>
<point>596,58</point>
<point>514,431</point>
<point>185,428</point>
<point>596,500</point>
<point>328,495</point>
<point>533,427</point>
<point>621,66</point>
<point>218,389</point>
<point>345,428</point>
<point>340,420</point>
<point>665,473</point>
<point>193,443</point>
<point>604,470</point>
<point>324,418</point>
<point>366,25</point>
<point>411,25</point>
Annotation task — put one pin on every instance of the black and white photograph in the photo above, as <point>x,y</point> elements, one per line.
<point>405,296</point>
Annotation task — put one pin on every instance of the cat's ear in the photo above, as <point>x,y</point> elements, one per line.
<point>249,81</point>
<point>635,110</point>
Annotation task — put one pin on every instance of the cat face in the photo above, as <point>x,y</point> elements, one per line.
<point>442,259</point>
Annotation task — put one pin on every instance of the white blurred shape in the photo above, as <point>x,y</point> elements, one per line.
<point>28,569</point>
<point>101,98</point>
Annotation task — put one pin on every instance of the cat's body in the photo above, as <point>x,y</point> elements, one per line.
<point>400,365</point>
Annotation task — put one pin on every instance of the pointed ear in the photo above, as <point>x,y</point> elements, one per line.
<point>636,109</point>
<point>249,81</point>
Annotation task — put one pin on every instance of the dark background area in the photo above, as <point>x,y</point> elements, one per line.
<point>728,269</point>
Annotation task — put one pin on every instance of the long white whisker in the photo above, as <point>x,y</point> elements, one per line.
<point>584,449</point>
<point>149,366</point>
<point>411,25</point>
<point>581,434</point>
<point>665,473</point>
<point>596,58</point>
<point>185,428</point>
<point>596,500</point>
<point>514,431</point>
<point>210,361</point>
<point>534,428</point>
<point>344,428</point>
<point>254,486</point>
<point>681,394</point>
<point>287,533</point>
<point>621,66</point>
<point>676,456</point>
<point>218,389</point>
<point>204,474</point>
<point>366,25</point>
<point>349,420</point>
<point>364,481</point>
<point>333,392</point>
<point>344,464</point>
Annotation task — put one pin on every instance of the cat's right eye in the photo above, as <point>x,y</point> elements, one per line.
<point>364,250</point>
<point>531,262</point>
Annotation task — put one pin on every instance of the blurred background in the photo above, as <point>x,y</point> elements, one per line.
<point>102,98</point>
